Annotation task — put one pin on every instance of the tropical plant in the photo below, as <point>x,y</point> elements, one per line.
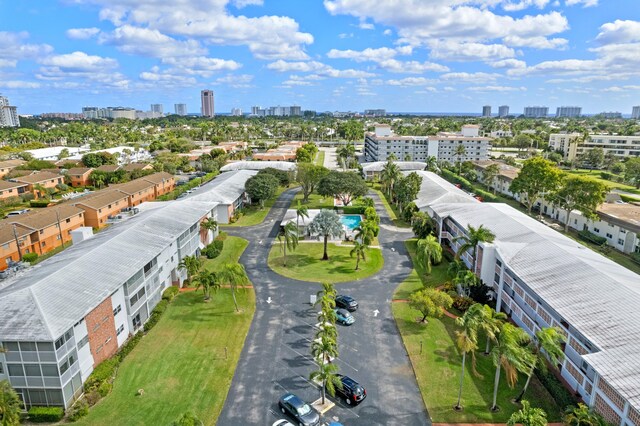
<point>359,250</point>
<point>233,275</point>
<point>208,280</point>
<point>491,324</point>
<point>301,212</point>
<point>309,175</point>
<point>546,344</point>
<point>344,186</point>
<point>582,415</point>
<point>422,224</point>
<point>430,302</point>
<point>536,178</point>
<point>324,349</point>
<point>262,187</point>
<point>327,375</point>
<point>489,175</point>
<point>326,223</point>
<point>191,264</point>
<point>579,193</point>
<point>473,237</point>
<point>512,354</point>
<point>432,163</point>
<point>288,237</point>
<point>428,252</point>
<point>188,419</point>
<point>209,224</point>
<point>9,405</point>
<point>366,231</point>
<point>528,416</point>
<point>467,340</point>
<point>389,175</point>
<point>460,152</point>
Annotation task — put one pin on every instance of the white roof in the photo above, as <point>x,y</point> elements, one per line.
<point>54,151</point>
<point>377,166</point>
<point>226,188</point>
<point>598,297</point>
<point>435,189</point>
<point>259,165</point>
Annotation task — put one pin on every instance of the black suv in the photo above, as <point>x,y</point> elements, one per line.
<point>346,302</point>
<point>352,392</point>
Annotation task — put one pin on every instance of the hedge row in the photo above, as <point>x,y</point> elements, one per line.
<point>170,292</point>
<point>157,312</point>
<point>558,392</point>
<point>45,414</point>
<point>588,236</point>
<point>353,209</point>
<point>468,186</point>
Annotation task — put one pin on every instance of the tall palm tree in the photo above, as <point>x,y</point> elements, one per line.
<point>233,275</point>
<point>191,264</point>
<point>301,212</point>
<point>288,237</point>
<point>432,163</point>
<point>460,152</point>
<point>510,353</point>
<point>467,340</point>
<point>491,324</point>
<point>327,375</point>
<point>582,415</point>
<point>428,251</point>
<point>9,405</point>
<point>324,348</point>
<point>366,231</point>
<point>546,342</point>
<point>207,225</point>
<point>528,416</point>
<point>208,280</point>
<point>359,249</point>
<point>471,240</point>
<point>389,176</point>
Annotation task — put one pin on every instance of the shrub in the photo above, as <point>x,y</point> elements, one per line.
<point>104,388</point>
<point>39,203</point>
<point>170,292</point>
<point>353,209</point>
<point>92,397</point>
<point>462,303</point>
<point>605,175</point>
<point>128,347</point>
<point>558,392</point>
<point>155,315</point>
<point>45,414</point>
<point>214,249</point>
<point>449,257</point>
<point>79,410</point>
<point>30,257</point>
<point>222,236</point>
<point>588,236</point>
<point>102,373</point>
<point>27,196</point>
<point>62,187</point>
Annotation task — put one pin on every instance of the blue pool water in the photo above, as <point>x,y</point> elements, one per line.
<point>351,221</point>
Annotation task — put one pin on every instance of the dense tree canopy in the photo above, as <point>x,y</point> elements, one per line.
<point>344,186</point>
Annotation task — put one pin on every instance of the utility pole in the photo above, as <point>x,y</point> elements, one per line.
<point>15,235</point>
<point>59,228</point>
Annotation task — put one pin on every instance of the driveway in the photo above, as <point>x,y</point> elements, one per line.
<point>276,356</point>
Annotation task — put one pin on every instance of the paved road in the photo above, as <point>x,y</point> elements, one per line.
<point>276,359</point>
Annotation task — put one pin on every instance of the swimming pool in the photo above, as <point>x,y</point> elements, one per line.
<point>351,221</point>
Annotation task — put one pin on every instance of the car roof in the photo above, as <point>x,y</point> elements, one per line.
<point>349,381</point>
<point>342,311</point>
<point>345,298</point>
<point>293,400</point>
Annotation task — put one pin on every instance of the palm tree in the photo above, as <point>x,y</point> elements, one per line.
<point>326,374</point>
<point>191,264</point>
<point>455,267</point>
<point>389,175</point>
<point>324,348</point>
<point>233,275</point>
<point>9,405</point>
<point>460,152</point>
<point>489,175</point>
<point>582,415</point>
<point>288,237</point>
<point>511,354</point>
<point>359,249</point>
<point>209,225</point>
<point>366,231</point>
<point>208,280</point>
<point>301,212</point>
<point>432,163</point>
<point>98,179</point>
<point>547,341</point>
<point>528,416</point>
<point>471,240</point>
<point>491,324</point>
<point>467,340</point>
<point>428,251</point>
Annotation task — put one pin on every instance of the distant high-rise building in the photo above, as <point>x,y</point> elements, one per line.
<point>536,112</point>
<point>375,112</point>
<point>277,111</point>
<point>255,110</point>
<point>8,114</point>
<point>206,98</point>
<point>610,114</point>
<point>157,109</point>
<point>635,112</point>
<point>503,111</point>
<point>236,112</point>
<point>486,111</point>
<point>569,111</point>
<point>90,113</point>
<point>180,109</point>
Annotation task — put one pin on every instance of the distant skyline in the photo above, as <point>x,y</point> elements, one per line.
<point>331,55</point>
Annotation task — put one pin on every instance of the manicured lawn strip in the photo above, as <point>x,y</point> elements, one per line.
<point>253,214</point>
<point>315,201</point>
<point>391,209</point>
<point>305,264</point>
<point>438,367</point>
<point>233,248</point>
<point>595,175</point>
<point>320,158</point>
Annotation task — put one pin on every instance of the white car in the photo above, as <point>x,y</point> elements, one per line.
<point>282,422</point>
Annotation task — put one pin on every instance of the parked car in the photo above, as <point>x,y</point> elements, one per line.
<point>302,412</point>
<point>352,392</point>
<point>17,212</point>
<point>282,422</point>
<point>346,302</point>
<point>344,317</point>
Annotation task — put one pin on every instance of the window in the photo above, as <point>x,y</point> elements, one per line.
<point>120,330</point>
<point>1,369</point>
<point>609,235</point>
<point>105,319</point>
<point>99,349</point>
<point>83,342</point>
<point>15,370</point>
<point>68,220</point>
<point>117,310</point>
<point>41,231</point>
<point>596,230</point>
<point>32,370</point>
<point>620,241</point>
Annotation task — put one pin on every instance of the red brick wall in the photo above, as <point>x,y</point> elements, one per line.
<point>101,328</point>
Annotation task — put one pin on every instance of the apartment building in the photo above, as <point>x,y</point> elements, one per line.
<point>79,176</point>
<point>536,111</point>
<point>163,183</point>
<point>541,278</point>
<point>38,231</point>
<point>287,166</point>
<point>138,191</point>
<point>52,153</point>
<point>8,165</point>
<point>502,182</point>
<point>8,114</point>
<point>635,112</point>
<point>38,180</point>
<point>100,206</point>
<point>382,143</point>
<point>503,111</point>
<point>568,111</point>
<point>227,190</point>
<point>12,189</point>
<point>60,320</point>
<point>132,167</point>
<point>572,146</point>
<point>371,171</point>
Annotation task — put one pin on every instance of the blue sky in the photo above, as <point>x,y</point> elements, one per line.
<point>331,55</point>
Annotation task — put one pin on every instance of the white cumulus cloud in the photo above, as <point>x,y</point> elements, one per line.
<point>82,33</point>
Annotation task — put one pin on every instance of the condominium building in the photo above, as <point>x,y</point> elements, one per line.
<point>635,112</point>
<point>8,165</point>
<point>375,112</point>
<point>541,278</point>
<point>157,109</point>
<point>278,111</point>
<point>8,114</point>
<point>207,105</point>
<point>486,111</point>
<point>236,112</point>
<point>476,147</point>
<point>571,145</point>
<point>568,111</point>
<point>180,109</point>
<point>536,111</point>
<point>373,170</point>
<point>610,114</point>
<point>503,111</point>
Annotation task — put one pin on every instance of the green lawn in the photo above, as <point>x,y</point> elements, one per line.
<point>233,249</point>
<point>595,174</point>
<point>305,263</point>
<point>253,214</point>
<point>320,158</point>
<point>607,251</point>
<point>315,201</point>
<point>391,209</point>
<point>181,363</point>
<point>438,367</point>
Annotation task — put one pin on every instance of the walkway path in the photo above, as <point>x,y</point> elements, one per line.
<point>275,358</point>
